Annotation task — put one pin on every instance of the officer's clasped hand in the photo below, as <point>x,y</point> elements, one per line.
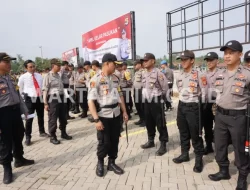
<point>99,126</point>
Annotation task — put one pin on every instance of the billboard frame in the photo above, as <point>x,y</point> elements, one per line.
<point>200,17</point>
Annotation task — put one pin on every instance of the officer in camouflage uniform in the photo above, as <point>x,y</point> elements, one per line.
<point>105,100</point>
<point>55,102</point>
<point>154,92</point>
<point>191,84</point>
<point>11,124</point>
<point>137,85</point>
<point>233,86</point>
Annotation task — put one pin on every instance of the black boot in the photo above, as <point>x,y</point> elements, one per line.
<point>208,149</point>
<point>222,174</point>
<point>138,122</point>
<point>54,140</point>
<point>198,166</point>
<point>184,157</point>
<point>7,176</point>
<point>143,124</point>
<point>84,114</point>
<point>76,111</point>
<point>242,182</point>
<point>20,162</point>
<point>113,167</point>
<point>148,144</point>
<point>100,168</point>
<point>64,135</point>
<point>70,118</point>
<point>162,150</point>
<point>28,141</point>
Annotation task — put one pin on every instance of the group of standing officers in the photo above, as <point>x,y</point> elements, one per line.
<point>108,91</point>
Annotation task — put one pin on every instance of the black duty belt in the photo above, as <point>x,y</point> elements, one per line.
<point>230,112</point>
<point>188,104</point>
<point>110,106</point>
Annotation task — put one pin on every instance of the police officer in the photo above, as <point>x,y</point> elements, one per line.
<point>154,92</point>
<point>95,65</point>
<point>88,72</point>
<point>126,84</point>
<point>191,84</point>
<point>247,59</point>
<point>233,89</point>
<point>55,102</point>
<point>137,85</point>
<point>11,124</point>
<point>81,92</point>
<point>124,46</point>
<point>105,99</point>
<point>66,74</point>
<point>208,118</point>
<point>170,77</point>
<point>72,87</point>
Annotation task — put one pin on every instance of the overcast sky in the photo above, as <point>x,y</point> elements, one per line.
<point>57,25</point>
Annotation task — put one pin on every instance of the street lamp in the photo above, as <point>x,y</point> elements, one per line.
<point>41,47</point>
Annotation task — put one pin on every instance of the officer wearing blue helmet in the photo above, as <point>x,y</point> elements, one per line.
<point>170,76</point>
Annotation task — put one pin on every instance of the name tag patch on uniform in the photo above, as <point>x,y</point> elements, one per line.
<point>105,92</point>
<point>3,86</point>
<point>194,76</point>
<point>238,84</point>
<point>161,77</point>
<point>192,89</point>
<point>92,84</point>
<point>241,76</point>
<point>204,81</point>
<point>102,80</point>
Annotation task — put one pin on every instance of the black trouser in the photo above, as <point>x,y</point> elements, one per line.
<point>138,103</point>
<point>188,125</point>
<point>72,104</point>
<point>208,122</point>
<point>66,86</point>
<point>234,126</point>
<point>82,98</point>
<point>57,109</point>
<point>108,138</point>
<point>130,104</point>
<point>34,104</point>
<point>126,101</point>
<point>168,101</point>
<point>154,116</point>
<point>12,133</point>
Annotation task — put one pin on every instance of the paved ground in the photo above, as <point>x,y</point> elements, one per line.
<point>71,165</point>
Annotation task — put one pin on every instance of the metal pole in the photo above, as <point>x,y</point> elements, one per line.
<point>220,22</point>
<point>202,27</point>
<point>181,32</point>
<point>199,25</point>
<point>223,22</point>
<point>170,42</point>
<point>185,31</point>
<point>245,20</point>
<point>41,47</point>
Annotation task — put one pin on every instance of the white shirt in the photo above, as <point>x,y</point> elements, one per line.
<point>26,84</point>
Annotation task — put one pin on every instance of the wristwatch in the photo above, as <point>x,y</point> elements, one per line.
<point>96,120</point>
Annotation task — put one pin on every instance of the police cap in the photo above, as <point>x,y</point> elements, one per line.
<point>211,56</point>
<point>109,57</point>
<point>6,57</point>
<point>148,56</point>
<point>247,56</point>
<point>233,45</point>
<point>187,54</point>
<point>55,61</point>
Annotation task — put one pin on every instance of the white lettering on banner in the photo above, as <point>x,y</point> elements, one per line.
<point>105,34</point>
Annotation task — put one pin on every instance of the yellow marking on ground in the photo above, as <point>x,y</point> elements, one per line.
<point>144,130</point>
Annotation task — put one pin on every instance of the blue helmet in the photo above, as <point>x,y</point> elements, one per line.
<point>163,62</point>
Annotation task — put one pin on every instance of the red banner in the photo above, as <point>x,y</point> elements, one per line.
<point>112,37</point>
<point>71,56</point>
